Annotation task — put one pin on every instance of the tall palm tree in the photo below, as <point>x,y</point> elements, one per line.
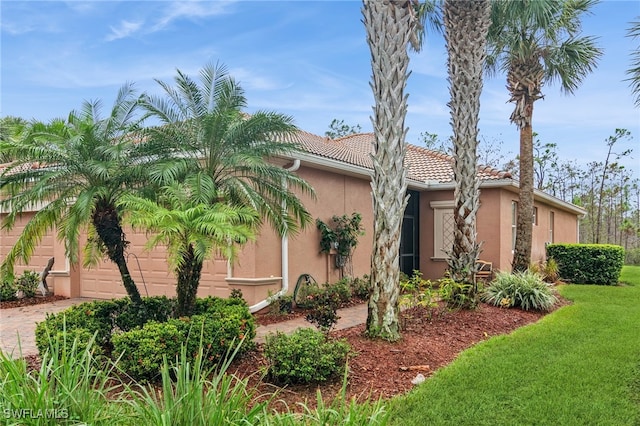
<point>536,42</point>
<point>76,169</point>
<point>187,219</point>
<point>204,130</point>
<point>634,71</point>
<point>466,24</point>
<point>389,27</point>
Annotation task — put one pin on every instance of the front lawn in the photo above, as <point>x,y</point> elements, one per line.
<point>579,365</point>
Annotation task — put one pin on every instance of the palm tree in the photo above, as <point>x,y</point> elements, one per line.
<point>536,42</point>
<point>204,130</point>
<point>466,25</point>
<point>7,126</point>
<point>389,26</point>
<point>187,219</point>
<point>77,170</point>
<point>634,71</point>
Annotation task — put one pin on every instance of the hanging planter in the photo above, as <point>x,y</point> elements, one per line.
<point>342,238</point>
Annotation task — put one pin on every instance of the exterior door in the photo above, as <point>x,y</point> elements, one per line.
<point>409,241</point>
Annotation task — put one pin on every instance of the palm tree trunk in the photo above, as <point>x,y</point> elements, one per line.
<point>388,26</point>
<point>188,279</point>
<point>107,223</point>
<point>466,27</point>
<point>524,224</point>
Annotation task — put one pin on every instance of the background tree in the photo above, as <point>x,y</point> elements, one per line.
<point>466,24</point>
<point>389,27</point>
<point>205,131</point>
<point>433,142</point>
<point>77,170</point>
<point>536,42</point>
<point>606,169</point>
<point>193,225</point>
<point>338,129</point>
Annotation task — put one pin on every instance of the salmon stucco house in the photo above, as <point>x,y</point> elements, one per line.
<point>340,171</point>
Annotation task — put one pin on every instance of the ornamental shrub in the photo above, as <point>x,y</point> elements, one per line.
<point>142,350</point>
<point>361,287</point>
<point>27,283</point>
<point>93,317</point>
<point>8,289</point>
<point>222,325</point>
<point>588,263</point>
<point>324,312</point>
<point>522,289</point>
<point>155,308</point>
<point>305,356</point>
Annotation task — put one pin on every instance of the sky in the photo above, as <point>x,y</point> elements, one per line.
<point>306,59</point>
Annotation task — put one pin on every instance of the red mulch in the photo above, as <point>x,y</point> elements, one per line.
<point>28,301</point>
<point>379,369</point>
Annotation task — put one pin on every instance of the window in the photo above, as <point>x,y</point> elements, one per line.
<point>535,216</point>
<point>443,226</point>
<point>551,226</point>
<point>514,224</point>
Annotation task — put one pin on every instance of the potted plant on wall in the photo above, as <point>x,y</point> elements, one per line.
<point>341,238</point>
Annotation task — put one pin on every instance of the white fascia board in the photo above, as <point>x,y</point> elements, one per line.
<point>324,163</point>
<point>510,185</point>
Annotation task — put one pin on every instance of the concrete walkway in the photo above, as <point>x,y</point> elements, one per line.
<point>19,324</point>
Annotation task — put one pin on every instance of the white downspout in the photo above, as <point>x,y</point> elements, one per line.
<point>284,257</point>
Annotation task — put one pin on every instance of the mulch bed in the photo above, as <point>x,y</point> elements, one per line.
<point>29,301</point>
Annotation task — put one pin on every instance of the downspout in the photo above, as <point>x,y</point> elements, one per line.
<point>284,246</point>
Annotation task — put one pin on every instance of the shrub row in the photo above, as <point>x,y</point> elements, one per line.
<point>27,284</point>
<point>143,335</point>
<point>588,263</point>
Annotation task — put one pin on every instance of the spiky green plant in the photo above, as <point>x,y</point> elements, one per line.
<point>525,290</point>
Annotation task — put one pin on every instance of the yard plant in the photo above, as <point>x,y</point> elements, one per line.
<point>525,290</point>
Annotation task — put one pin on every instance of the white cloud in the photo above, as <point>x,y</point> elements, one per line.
<point>125,29</point>
<point>191,10</point>
<point>250,80</point>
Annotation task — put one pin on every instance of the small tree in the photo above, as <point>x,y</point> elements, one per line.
<point>187,219</point>
<point>91,161</point>
<point>338,129</point>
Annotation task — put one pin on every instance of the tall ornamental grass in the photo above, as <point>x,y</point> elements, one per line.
<point>70,387</point>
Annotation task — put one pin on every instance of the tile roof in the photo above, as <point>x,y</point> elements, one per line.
<point>423,164</point>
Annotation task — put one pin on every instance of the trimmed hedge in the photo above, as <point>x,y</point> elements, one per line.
<point>148,333</point>
<point>588,263</point>
<point>305,356</point>
<point>93,317</point>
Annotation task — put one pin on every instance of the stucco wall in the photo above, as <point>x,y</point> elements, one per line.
<point>336,194</point>
<point>494,229</point>
<point>44,251</point>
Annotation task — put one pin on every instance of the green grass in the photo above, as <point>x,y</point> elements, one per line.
<point>577,366</point>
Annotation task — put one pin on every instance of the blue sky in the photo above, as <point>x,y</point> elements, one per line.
<point>308,59</point>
